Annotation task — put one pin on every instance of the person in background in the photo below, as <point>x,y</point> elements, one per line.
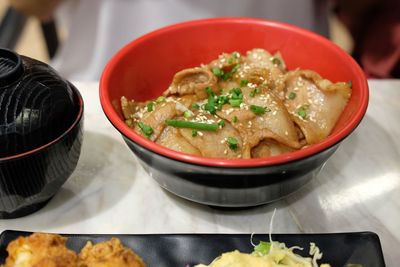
<point>96,29</point>
<point>375,28</point>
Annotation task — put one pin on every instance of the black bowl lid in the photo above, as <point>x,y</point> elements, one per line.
<point>11,67</point>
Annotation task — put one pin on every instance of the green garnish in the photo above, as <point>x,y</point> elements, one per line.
<point>160,99</point>
<point>235,68</point>
<point>255,91</point>
<point>302,112</point>
<point>210,105</point>
<point>195,106</point>
<point>350,83</point>
<point>221,123</point>
<point>258,110</point>
<point>194,133</point>
<point>192,125</point>
<point>221,100</point>
<point>235,102</point>
<point>187,114</point>
<point>262,248</point>
<point>276,61</point>
<point>146,129</point>
<point>232,143</point>
<point>150,106</point>
<point>234,119</point>
<point>243,82</point>
<point>236,54</point>
<point>227,76</point>
<point>236,93</point>
<point>236,97</point>
<point>292,95</point>
<point>209,91</point>
<point>218,72</point>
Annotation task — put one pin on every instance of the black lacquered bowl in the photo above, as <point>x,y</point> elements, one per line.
<point>40,133</point>
<point>144,68</point>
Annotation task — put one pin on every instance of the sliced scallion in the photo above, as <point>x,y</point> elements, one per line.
<point>258,110</point>
<point>232,143</point>
<point>192,125</point>
<point>146,129</point>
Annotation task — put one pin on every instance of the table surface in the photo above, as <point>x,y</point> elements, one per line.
<point>357,190</point>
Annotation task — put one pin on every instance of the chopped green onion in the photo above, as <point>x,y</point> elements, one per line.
<point>235,102</point>
<point>236,93</point>
<point>350,83</point>
<point>146,129</point>
<point>235,68</point>
<point>276,61</point>
<point>187,114</point>
<point>232,143</point>
<point>218,72</point>
<point>255,91</point>
<point>243,82</point>
<point>231,60</point>
<point>227,76</point>
<point>236,54</point>
<point>262,248</point>
<point>195,106</point>
<point>150,106</point>
<point>234,119</point>
<point>210,105</point>
<point>221,100</point>
<point>209,91</point>
<point>194,133</point>
<point>221,123</point>
<point>292,95</point>
<point>259,110</point>
<point>160,99</point>
<point>302,112</point>
<point>192,125</point>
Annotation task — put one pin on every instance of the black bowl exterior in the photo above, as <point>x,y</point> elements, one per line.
<point>36,107</point>
<point>28,182</point>
<point>230,187</point>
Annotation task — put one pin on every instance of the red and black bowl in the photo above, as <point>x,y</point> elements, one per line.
<point>144,68</point>
<point>40,133</point>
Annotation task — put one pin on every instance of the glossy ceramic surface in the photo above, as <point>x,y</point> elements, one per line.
<point>36,105</point>
<point>229,187</point>
<point>140,73</point>
<point>40,133</point>
<point>190,249</point>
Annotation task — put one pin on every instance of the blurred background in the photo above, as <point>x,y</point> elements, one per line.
<point>31,41</point>
<point>79,37</point>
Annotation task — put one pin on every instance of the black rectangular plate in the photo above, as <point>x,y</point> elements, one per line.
<point>180,250</point>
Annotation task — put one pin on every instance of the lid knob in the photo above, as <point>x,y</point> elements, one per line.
<point>11,67</point>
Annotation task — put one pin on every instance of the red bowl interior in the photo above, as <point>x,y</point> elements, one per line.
<point>144,68</point>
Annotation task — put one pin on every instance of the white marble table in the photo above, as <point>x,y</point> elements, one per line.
<point>357,190</point>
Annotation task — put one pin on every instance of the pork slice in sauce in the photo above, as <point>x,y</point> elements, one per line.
<point>172,139</point>
<point>159,112</point>
<point>192,82</point>
<point>268,148</point>
<point>273,66</point>
<point>315,104</point>
<point>215,144</point>
<point>275,119</point>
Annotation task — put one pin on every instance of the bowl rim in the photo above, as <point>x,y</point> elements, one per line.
<point>56,140</point>
<point>129,133</point>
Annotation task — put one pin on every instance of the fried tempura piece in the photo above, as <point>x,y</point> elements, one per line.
<point>40,250</point>
<point>109,254</point>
